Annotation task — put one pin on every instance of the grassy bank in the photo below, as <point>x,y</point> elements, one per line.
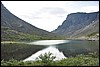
<point>92,59</point>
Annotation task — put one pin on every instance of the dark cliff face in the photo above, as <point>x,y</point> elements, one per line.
<point>75,22</point>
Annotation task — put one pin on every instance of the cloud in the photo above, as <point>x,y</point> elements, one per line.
<point>30,17</point>
<point>90,9</point>
<point>53,10</point>
<point>46,13</point>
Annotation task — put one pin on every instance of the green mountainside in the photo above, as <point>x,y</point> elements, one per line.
<point>15,29</point>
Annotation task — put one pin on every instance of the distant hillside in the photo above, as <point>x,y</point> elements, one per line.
<point>79,24</point>
<point>14,28</point>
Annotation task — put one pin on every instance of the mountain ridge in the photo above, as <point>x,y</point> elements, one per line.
<point>76,23</point>
<point>14,28</point>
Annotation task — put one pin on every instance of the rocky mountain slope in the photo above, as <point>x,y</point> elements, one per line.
<point>14,28</point>
<point>79,25</point>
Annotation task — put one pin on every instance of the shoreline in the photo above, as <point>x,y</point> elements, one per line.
<point>83,39</point>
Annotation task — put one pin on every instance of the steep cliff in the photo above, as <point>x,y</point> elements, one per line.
<point>79,24</point>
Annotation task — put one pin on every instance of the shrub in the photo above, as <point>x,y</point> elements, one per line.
<point>46,59</point>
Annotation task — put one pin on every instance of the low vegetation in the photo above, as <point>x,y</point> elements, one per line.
<point>92,34</point>
<point>13,35</point>
<point>92,59</point>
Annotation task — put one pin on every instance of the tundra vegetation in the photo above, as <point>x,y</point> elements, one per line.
<point>92,59</point>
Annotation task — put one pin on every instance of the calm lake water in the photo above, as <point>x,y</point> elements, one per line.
<point>64,48</point>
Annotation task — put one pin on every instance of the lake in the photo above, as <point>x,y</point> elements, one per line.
<point>63,48</point>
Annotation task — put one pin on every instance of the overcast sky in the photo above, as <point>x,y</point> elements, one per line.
<point>48,15</point>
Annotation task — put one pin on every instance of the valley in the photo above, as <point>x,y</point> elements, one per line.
<point>75,41</point>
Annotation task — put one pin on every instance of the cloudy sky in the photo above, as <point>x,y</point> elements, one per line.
<point>48,15</point>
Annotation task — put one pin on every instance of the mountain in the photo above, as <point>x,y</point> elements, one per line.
<point>79,24</point>
<point>14,28</point>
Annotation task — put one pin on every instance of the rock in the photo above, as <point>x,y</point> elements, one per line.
<point>79,24</point>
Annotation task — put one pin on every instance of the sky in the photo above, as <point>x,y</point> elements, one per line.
<point>48,15</point>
